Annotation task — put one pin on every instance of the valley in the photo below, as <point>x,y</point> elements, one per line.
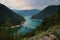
<point>30,24</point>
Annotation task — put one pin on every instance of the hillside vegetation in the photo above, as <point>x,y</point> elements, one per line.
<point>50,28</point>
<point>9,18</point>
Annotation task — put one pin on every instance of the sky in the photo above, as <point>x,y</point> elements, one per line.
<point>29,4</point>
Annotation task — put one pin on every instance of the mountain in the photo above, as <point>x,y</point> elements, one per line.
<point>49,29</point>
<point>52,20</point>
<point>46,12</point>
<point>27,12</point>
<point>8,17</point>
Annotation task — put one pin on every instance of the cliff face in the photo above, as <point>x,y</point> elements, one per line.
<point>52,9</point>
<point>8,17</point>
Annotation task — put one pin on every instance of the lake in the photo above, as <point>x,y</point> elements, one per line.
<point>29,25</point>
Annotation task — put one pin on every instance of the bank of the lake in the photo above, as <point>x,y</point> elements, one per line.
<point>29,25</point>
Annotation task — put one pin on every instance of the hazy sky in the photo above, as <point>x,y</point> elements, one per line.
<point>29,4</point>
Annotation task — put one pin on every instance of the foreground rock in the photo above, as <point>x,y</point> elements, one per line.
<point>49,36</point>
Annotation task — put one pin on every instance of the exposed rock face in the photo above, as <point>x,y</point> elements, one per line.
<point>47,36</point>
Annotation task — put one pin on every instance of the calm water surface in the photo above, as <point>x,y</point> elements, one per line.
<point>29,25</point>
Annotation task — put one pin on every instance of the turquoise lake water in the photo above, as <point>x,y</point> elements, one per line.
<point>29,25</point>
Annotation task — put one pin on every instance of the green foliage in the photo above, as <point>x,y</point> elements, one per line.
<point>8,17</point>
<point>50,24</point>
<point>8,33</point>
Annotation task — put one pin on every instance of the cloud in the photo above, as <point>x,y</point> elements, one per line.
<point>16,4</point>
<point>41,4</point>
<point>29,4</point>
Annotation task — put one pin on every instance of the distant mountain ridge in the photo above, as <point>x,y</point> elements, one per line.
<point>52,9</point>
<point>8,17</point>
<point>27,12</point>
